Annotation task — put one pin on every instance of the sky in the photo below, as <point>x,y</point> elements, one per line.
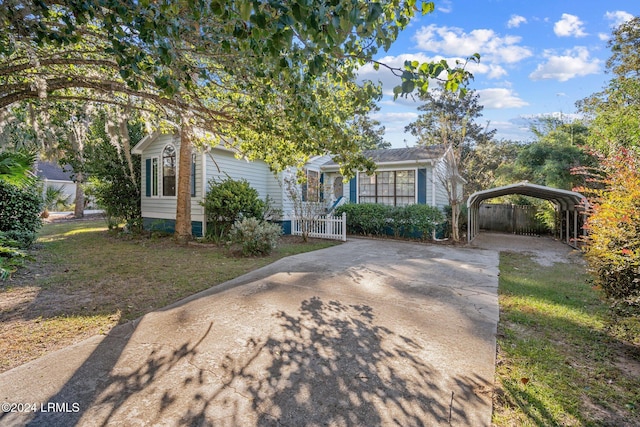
<point>537,58</point>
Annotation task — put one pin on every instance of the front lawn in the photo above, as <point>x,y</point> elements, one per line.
<point>559,362</point>
<point>84,280</point>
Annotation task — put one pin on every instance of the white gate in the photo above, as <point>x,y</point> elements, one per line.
<point>322,226</point>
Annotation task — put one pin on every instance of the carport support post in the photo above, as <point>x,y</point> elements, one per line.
<point>567,226</point>
<point>575,228</point>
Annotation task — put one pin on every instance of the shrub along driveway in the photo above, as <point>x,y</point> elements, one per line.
<point>366,333</point>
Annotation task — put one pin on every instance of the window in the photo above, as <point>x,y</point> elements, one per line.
<point>169,171</point>
<point>395,188</point>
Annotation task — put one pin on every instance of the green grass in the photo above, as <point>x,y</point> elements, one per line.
<point>557,362</point>
<point>85,280</point>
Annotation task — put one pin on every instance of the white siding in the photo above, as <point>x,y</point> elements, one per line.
<point>221,163</point>
<point>165,207</point>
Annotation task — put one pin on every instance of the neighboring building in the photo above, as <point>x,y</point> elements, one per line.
<point>404,176</point>
<point>52,175</point>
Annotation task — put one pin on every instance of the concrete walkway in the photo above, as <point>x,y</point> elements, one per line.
<point>367,333</point>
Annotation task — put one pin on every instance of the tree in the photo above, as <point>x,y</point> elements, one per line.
<point>487,162</point>
<point>369,131</point>
<point>613,245</point>
<point>273,78</point>
<point>557,152</point>
<point>448,119</point>
<point>114,174</point>
<point>614,112</point>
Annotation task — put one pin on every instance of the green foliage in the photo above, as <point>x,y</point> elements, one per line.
<point>615,111</point>
<point>114,181</point>
<point>20,212</point>
<point>550,160</point>
<point>255,236</point>
<point>367,219</point>
<point>55,198</point>
<point>19,221</point>
<point>372,219</point>
<point>228,201</point>
<point>15,168</point>
<point>11,257</point>
<point>613,250</point>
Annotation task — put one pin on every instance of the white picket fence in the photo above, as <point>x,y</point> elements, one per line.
<point>322,227</point>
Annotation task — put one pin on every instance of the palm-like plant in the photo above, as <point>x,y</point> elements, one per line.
<point>15,168</point>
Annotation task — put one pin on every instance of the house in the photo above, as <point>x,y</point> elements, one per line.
<point>404,176</point>
<point>52,175</point>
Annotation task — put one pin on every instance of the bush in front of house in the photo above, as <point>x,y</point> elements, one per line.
<point>412,221</point>
<point>368,219</point>
<point>255,237</point>
<point>228,201</point>
<point>424,219</point>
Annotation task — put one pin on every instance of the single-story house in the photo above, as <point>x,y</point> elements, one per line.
<point>404,176</point>
<point>53,175</point>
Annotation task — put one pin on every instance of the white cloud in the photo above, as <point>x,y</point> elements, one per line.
<point>499,98</point>
<point>395,117</point>
<point>603,36</point>
<point>559,115</point>
<point>444,6</point>
<point>573,63</point>
<point>618,17</point>
<point>569,25</point>
<point>453,41</point>
<point>515,21</point>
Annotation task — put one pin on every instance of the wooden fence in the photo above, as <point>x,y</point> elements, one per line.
<point>516,219</point>
<point>322,227</point>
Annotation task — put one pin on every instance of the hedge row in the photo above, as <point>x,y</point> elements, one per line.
<point>412,221</point>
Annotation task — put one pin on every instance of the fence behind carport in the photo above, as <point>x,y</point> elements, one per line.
<point>517,219</point>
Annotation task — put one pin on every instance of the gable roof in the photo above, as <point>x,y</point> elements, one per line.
<point>53,171</point>
<point>401,155</point>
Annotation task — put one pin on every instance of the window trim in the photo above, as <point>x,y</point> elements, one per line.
<point>155,177</point>
<point>161,169</point>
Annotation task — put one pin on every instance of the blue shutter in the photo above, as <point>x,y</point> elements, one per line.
<point>321,187</point>
<point>422,186</point>
<point>353,190</point>
<point>147,168</point>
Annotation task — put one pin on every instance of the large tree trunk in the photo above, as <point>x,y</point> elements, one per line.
<point>183,207</point>
<point>78,211</point>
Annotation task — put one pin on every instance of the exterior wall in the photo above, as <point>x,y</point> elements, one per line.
<point>428,190</point>
<point>157,208</point>
<point>159,211</point>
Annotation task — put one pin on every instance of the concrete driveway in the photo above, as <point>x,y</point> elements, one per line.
<point>367,333</point>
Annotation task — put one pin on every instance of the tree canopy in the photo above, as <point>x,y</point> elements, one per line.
<point>274,79</point>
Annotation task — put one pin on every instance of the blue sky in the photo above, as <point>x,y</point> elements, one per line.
<point>537,58</point>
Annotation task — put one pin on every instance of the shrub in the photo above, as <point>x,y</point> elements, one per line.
<point>20,212</point>
<point>424,219</point>
<point>120,200</point>
<point>613,250</point>
<point>368,219</point>
<point>228,201</point>
<point>10,259</point>
<point>256,237</point>
<point>375,220</point>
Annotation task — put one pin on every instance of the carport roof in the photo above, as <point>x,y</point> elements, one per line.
<point>565,199</point>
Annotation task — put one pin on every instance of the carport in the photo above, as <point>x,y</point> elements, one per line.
<point>569,206</point>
